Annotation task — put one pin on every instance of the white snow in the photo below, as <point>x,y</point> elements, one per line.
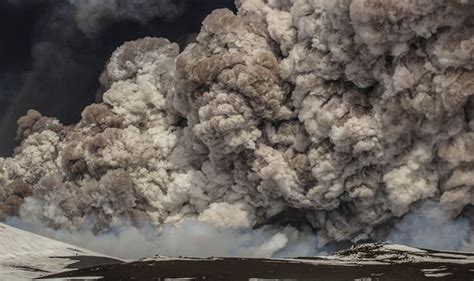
<point>403,248</point>
<point>379,253</point>
<point>438,274</point>
<point>24,255</point>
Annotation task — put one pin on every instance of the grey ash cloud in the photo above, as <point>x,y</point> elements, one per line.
<point>351,114</point>
<point>52,52</point>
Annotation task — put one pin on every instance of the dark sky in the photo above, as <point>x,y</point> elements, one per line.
<point>48,63</point>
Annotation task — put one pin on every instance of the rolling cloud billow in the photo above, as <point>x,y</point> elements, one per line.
<point>351,116</point>
<point>51,59</point>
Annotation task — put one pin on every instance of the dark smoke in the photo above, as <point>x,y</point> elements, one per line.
<point>52,52</point>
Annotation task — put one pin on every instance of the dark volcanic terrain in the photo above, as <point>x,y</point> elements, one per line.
<point>371,262</point>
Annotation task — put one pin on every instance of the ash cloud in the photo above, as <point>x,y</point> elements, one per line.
<point>353,113</point>
<point>52,51</point>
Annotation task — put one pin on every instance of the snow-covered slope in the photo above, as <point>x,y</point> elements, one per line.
<point>24,255</point>
<point>378,261</point>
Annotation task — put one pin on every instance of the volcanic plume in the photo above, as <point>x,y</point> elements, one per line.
<point>338,118</point>
<point>52,51</point>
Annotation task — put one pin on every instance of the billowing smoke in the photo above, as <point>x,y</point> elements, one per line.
<point>343,117</point>
<point>52,51</point>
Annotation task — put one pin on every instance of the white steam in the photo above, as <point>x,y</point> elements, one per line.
<point>428,227</point>
<point>190,238</point>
